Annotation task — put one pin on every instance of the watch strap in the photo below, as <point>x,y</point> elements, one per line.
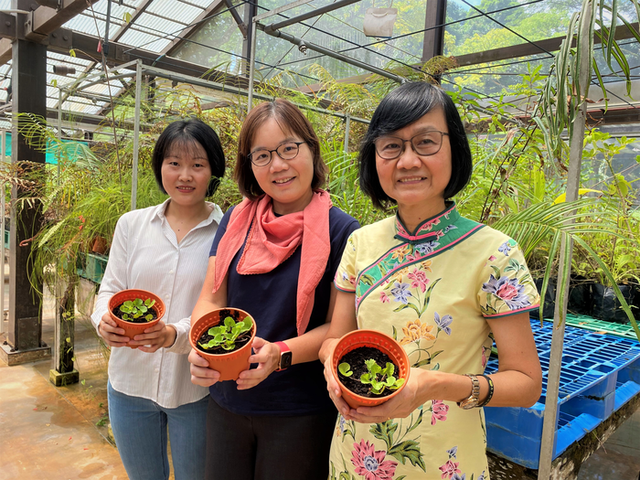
<point>472,400</point>
<point>284,348</point>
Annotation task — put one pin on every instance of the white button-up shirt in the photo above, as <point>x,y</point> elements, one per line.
<point>145,254</point>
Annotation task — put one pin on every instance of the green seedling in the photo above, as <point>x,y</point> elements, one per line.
<point>225,335</point>
<point>136,308</point>
<point>345,369</point>
<point>379,378</point>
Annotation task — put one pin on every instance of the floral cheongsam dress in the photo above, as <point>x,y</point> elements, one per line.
<point>432,291</point>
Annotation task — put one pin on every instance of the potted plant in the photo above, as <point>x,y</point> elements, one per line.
<point>135,310</point>
<point>370,367</point>
<point>224,338</point>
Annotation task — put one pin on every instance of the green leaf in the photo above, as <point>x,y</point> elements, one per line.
<point>384,431</point>
<point>408,450</point>
<point>345,369</point>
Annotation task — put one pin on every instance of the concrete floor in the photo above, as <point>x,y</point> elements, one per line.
<point>61,433</point>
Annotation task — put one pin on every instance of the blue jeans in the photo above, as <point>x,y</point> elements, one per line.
<point>140,430</point>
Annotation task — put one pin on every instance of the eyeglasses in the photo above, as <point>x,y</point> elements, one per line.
<point>286,151</point>
<point>424,144</point>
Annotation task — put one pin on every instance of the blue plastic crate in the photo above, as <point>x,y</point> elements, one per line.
<point>600,373</point>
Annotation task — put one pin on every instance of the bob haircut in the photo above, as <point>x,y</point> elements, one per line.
<point>403,106</point>
<point>291,121</point>
<point>186,133</point>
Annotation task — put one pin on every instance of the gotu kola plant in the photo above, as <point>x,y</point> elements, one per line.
<point>379,378</point>
<point>226,334</point>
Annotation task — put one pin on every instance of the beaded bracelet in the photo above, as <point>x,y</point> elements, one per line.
<point>490,394</point>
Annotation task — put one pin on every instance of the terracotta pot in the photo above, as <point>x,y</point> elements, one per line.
<point>132,329</point>
<point>228,364</point>
<point>99,245</point>
<point>380,341</point>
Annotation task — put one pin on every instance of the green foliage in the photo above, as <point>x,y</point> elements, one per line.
<point>137,308</point>
<point>226,334</point>
<point>345,369</point>
<point>379,378</point>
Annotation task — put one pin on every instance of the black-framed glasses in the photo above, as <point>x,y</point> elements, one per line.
<point>424,144</point>
<point>286,151</point>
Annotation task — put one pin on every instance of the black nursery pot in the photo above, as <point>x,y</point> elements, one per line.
<point>580,296</point>
<point>607,307</point>
<point>549,299</point>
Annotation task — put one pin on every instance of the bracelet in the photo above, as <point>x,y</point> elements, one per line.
<point>490,394</point>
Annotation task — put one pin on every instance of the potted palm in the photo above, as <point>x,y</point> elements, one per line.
<point>224,338</point>
<point>135,310</point>
<point>370,367</point>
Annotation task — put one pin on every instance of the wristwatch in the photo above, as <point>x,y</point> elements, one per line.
<point>472,400</point>
<point>285,356</point>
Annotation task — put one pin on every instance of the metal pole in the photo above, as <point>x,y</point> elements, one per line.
<point>330,53</point>
<point>346,133</point>
<point>573,184</point>
<point>3,145</point>
<point>136,134</point>
<point>252,64</point>
<point>311,14</point>
<point>59,132</point>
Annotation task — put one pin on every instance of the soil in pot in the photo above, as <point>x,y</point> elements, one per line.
<point>152,311</point>
<point>356,359</point>
<point>239,342</point>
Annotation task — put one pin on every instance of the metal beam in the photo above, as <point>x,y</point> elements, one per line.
<point>311,14</point>
<point>534,48</point>
<point>45,20</point>
<point>195,25</point>
<point>302,45</point>
<point>434,22</point>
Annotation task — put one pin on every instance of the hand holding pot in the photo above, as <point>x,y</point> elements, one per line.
<point>158,336</point>
<point>111,333</point>
<point>267,356</point>
<point>201,374</point>
<point>400,406</point>
<point>332,386</point>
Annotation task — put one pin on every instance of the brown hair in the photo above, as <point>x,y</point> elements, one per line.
<point>291,120</point>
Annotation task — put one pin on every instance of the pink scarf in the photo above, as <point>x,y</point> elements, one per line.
<point>272,239</point>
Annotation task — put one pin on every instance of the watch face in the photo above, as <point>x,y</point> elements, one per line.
<point>285,360</point>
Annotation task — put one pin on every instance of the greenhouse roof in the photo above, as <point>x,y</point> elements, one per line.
<point>493,43</point>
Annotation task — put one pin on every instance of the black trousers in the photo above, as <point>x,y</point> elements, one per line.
<point>265,447</point>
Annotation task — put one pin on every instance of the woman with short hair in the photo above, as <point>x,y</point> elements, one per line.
<point>274,256</point>
<point>445,287</point>
<point>160,249</point>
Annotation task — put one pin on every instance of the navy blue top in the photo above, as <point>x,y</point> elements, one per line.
<point>270,298</point>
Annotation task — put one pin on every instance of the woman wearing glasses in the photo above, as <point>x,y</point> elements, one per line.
<point>275,256</point>
<point>445,287</point>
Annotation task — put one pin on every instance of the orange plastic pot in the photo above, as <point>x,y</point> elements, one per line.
<point>380,341</point>
<point>228,364</point>
<point>132,329</point>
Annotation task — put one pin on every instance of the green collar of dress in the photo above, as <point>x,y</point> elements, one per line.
<point>431,229</point>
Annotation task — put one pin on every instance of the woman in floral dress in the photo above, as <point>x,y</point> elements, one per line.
<point>445,287</point>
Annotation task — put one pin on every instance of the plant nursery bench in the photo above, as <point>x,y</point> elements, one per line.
<point>599,390</point>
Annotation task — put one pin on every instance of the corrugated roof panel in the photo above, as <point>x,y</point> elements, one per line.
<point>182,12</point>
<point>85,24</point>
<point>144,40</point>
<point>158,26</point>
<point>202,3</point>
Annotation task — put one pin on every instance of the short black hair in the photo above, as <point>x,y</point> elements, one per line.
<point>401,107</point>
<point>190,131</point>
